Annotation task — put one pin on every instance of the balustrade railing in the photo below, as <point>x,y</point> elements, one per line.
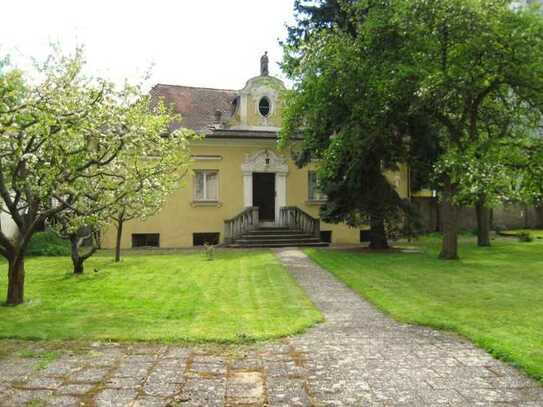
<point>294,217</point>
<point>243,222</point>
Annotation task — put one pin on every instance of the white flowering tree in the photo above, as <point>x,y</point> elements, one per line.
<point>52,141</point>
<point>65,140</point>
<point>483,180</point>
<point>151,169</point>
<point>135,184</point>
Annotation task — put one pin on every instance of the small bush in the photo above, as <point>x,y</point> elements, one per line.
<point>48,244</point>
<point>525,237</point>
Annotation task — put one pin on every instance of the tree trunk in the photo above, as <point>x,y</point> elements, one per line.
<point>526,216</point>
<point>79,257</point>
<point>438,215</point>
<point>491,221</point>
<point>483,224</point>
<point>78,267</point>
<point>77,261</point>
<point>16,280</point>
<point>378,236</point>
<point>118,242</point>
<point>98,239</point>
<point>449,222</point>
<point>539,216</point>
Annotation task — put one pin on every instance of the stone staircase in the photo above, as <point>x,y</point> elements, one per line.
<point>294,228</point>
<point>271,236</point>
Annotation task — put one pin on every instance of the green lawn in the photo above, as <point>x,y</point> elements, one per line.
<point>240,296</point>
<point>535,234</point>
<point>494,295</point>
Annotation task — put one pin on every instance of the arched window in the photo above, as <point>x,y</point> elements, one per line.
<point>264,106</point>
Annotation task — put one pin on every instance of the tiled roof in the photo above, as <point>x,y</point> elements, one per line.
<point>197,106</point>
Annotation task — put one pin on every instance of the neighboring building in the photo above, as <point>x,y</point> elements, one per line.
<point>237,166</point>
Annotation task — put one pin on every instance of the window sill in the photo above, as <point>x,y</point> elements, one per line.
<point>216,204</point>
<point>313,202</point>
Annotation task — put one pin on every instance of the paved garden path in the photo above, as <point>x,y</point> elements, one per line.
<point>360,356</point>
<point>357,357</point>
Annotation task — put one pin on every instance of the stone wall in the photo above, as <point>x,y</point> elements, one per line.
<point>509,216</point>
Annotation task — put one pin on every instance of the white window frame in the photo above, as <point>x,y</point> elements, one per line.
<point>205,174</point>
<point>318,196</point>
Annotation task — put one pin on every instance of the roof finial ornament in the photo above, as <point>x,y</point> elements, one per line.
<point>264,71</point>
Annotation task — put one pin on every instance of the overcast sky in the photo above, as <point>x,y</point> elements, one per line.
<point>211,43</point>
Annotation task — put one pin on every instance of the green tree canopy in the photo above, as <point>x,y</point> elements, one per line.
<point>351,123</point>
<point>478,70</point>
<point>463,74</point>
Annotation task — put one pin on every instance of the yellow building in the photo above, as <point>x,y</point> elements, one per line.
<point>243,190</point>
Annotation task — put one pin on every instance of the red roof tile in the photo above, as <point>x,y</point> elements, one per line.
<point>197,106</point>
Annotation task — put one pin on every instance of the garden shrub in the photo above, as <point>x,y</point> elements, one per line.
<point>48,244</point>
<point>525,237</point>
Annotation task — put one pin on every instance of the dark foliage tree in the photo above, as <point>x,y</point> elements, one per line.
<point>314,16</point>
<point>337,109</point>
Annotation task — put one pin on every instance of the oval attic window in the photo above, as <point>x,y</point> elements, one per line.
<point>264,106</point>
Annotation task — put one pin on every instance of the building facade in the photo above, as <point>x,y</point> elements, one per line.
<point>235,166</point>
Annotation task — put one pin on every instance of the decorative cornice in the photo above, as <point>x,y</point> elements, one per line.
<point>264,161</point>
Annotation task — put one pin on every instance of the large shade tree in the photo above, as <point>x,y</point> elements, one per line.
<point>497,167</point>
<point>474,63</point>
<point>312,17</point>
<point>358,130</point>
<point>459,67</point>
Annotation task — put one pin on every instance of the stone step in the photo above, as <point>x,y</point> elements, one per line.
<point>273,228</point>
<point>271,245</point>
<point>274,232</point>
<point>278,236</point>
<point>289,241</point>
<point>272,236</point>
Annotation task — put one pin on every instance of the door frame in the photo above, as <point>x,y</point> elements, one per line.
<point>265,161</point>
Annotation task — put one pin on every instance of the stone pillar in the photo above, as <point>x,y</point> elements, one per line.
<point>280,192</point>
<point>243,101</point>
<point>247,189</point>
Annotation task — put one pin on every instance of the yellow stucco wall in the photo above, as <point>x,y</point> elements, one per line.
<point>180,217</point>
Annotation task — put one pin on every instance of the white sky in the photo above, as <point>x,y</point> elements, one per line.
<point>211,43</point>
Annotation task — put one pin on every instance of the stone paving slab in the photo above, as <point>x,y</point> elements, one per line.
<point>357,357</point>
